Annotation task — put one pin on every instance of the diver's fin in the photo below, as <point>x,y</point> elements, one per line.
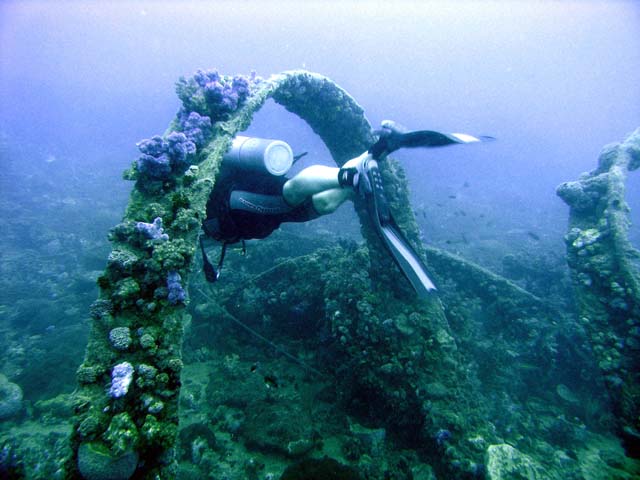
<point>407,259</point>
<point>393,137</point>
<point>401,251</point>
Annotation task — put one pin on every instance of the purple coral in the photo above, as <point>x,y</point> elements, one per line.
<point>176,292</point>
<point>221,94</point>
<point>221,98</point>
<point>154,146</point>
<point>154,167</point>
<point>180,149</point>
<point>196,127</point>
<point>206,97</point>
<point>152,231</point>
<point>121,377</point>
<point>154,162</point>
<point>240,86</point>
<point>159,156</point>
<point>202,77</point>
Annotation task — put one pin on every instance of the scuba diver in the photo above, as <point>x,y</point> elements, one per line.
<point>252,195</point>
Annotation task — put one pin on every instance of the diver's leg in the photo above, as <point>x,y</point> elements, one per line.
<point>328,201</point>
<point>326,185</point>
<point>310,181</point>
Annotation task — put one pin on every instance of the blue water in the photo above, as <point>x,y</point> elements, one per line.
<point>553,81</point>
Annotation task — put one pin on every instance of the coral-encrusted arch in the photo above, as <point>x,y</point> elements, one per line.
<point>122,434</point>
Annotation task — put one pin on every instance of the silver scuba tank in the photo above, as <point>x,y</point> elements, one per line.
<point>259,156</point>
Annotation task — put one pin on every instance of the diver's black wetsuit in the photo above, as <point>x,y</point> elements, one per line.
<point>251,207</point>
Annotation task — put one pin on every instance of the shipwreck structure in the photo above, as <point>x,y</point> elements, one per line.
<point>605,270</point>
<point>136,338</point>
<point>417,366</point>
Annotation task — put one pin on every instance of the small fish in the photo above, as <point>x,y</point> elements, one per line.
<point>453,197</point>
<point>255,367</point>
<point>465,184</point>
<point>533,235</point>
<point>270,381</point>
<point>463,239</point>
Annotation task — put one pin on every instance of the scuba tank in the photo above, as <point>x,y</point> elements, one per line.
<point>251,165</point>
<point>259,156</point>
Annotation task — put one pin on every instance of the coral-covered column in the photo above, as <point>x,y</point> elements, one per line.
<point>605,274</point>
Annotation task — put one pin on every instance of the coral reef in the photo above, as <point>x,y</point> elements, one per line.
<point>322,363</point>
<point>10,398</point>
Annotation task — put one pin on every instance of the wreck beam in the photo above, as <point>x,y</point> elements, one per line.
<point>606,275</point>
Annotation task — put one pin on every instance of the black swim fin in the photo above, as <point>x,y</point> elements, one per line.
<point>392,137</point>
<point>396,243</point>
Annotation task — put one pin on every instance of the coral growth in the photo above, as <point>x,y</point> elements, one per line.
<point>120,338</point>
<point>176,292</point>
<point>152,231</point>
<point>430,390</point>
<point>211,94</point>
<point>121,377</point>
<point>207,98</point>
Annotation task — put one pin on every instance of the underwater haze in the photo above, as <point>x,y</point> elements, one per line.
<point>271,381</point>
